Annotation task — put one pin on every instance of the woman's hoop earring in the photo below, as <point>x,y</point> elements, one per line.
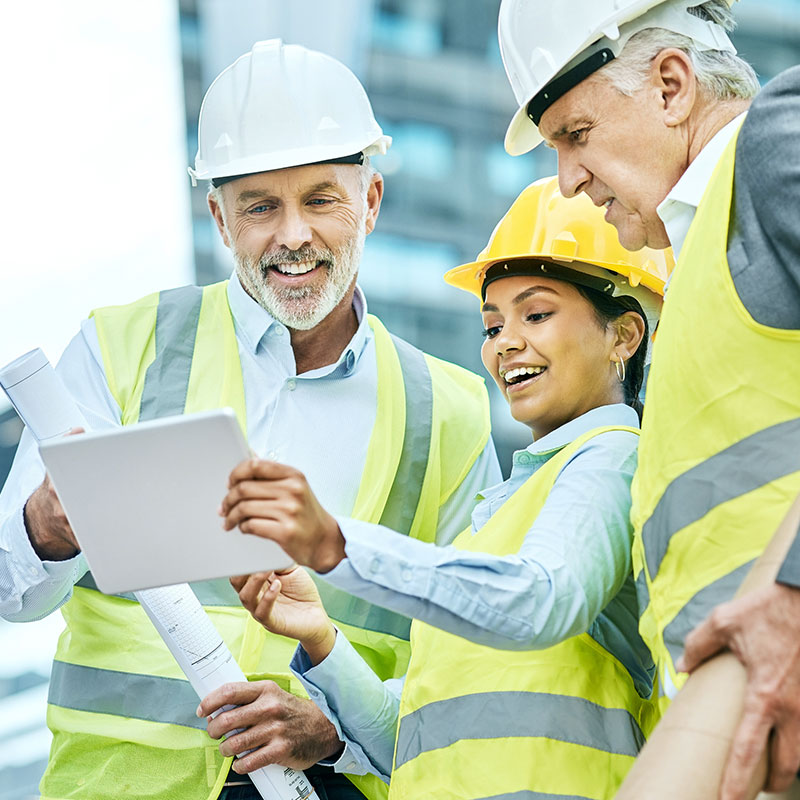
<point>620,365</point>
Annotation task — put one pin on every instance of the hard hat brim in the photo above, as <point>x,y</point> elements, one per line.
<point>469,277</point>
<point>522,135</point>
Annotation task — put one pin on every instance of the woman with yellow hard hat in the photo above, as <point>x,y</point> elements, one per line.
<point>527,678</point>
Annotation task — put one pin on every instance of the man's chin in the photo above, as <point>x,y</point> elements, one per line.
<point>634,236</point>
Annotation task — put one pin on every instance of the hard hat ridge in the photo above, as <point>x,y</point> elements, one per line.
<point>282,106</point>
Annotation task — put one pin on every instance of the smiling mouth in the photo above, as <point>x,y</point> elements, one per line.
<point>521,375</point>
<point>295,268</point>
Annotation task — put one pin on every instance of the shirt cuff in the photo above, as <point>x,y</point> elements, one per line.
<point>352,697</point>
<point>30,565</point>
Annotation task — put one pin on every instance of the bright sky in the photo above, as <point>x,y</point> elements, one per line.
<point>95,205</point>
<point>94,209</point>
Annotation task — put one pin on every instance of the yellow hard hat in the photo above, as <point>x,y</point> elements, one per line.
<point>567,238</point>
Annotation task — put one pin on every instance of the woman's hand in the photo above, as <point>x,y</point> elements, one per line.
<point>275,502</point>
<point>288,604</point>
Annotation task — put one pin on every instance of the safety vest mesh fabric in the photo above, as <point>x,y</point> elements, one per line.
<point>120,710</point>
<point>719,459</point>
<point>478,722</point>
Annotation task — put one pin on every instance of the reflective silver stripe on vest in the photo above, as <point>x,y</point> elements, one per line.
<point>528,795</point>
<point>124,694</point>
<point>166,381</point>
<point>700,606</point>
<point>210,593</point>
<point>498,715</point>
<point>166,384</point>
<point>753,462</point>
<point>404,496</point>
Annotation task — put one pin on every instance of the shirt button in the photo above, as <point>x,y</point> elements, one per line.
<point>291,384</point>
<point>524,458</point>
<point>278,330</point>
<point>272,455</point>
<point>375,565</point>
<point>349,360</point>
<point>407,574</point>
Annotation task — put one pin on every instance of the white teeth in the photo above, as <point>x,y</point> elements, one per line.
<point>295,267</point>
<point>512,374</point>
<point>608,202</point>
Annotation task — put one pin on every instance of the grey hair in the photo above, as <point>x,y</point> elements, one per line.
<point>721,75</point>
<point>365,173</point>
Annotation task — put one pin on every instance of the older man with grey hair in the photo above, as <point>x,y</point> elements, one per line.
<point>652,115</point>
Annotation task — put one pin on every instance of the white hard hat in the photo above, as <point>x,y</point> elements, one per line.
<point>549,46</point>
<point>282,105</point>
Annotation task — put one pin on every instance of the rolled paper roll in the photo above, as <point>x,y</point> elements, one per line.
<point>686,754</point>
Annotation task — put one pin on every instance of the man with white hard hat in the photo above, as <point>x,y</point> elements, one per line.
<point>646,104</point>
<point>385,433</point>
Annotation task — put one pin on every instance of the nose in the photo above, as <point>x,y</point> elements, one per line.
<point>293,230</point>
<point>573,177</point>
<point>508,341</point>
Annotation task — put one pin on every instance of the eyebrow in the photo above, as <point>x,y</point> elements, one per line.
<point>257,194</point>
<point>568,127</point>
<point>521,297</point>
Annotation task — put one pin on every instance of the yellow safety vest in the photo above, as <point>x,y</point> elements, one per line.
<point>122,714</point>
<point>719,459</point>
<point>477,722</point>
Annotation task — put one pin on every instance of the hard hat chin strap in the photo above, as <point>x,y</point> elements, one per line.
<point>355,158</point>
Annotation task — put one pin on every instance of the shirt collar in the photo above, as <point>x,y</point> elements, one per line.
<point>600,417</point>
<point>679,206</point>
<point>253,323</point>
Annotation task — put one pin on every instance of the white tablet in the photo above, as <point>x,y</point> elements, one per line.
<point>143,499</point>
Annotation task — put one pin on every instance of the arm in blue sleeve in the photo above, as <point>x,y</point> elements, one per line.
<point>362,708</point>
<point>572,562</point>
<point>30,588</point>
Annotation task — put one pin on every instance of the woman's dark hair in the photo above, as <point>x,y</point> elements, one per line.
<point>607,309</point>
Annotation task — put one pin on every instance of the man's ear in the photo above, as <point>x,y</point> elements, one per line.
<point>629,329</point>
<point>374,197</point>
<point>672,74</point>
<point>216,211</point>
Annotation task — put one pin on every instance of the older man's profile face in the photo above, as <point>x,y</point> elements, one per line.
<point>297,236</point>
<point>618,151</point>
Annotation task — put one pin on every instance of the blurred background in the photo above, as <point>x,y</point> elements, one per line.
<point>100,106</point>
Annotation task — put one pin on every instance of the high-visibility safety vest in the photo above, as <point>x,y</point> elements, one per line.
<point>122,714</point>
<point>719,460</point>
<point>478,722</point>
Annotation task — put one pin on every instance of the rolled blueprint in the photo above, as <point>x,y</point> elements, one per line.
<point>687,752</point>
<point>47,408</point>
<point>40,397</point>
<point>208,663</point>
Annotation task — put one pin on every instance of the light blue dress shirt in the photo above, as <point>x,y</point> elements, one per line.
<point>319,422</point>
<point>571,575</point>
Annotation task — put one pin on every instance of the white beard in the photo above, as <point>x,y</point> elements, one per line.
<point>304,307</point>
